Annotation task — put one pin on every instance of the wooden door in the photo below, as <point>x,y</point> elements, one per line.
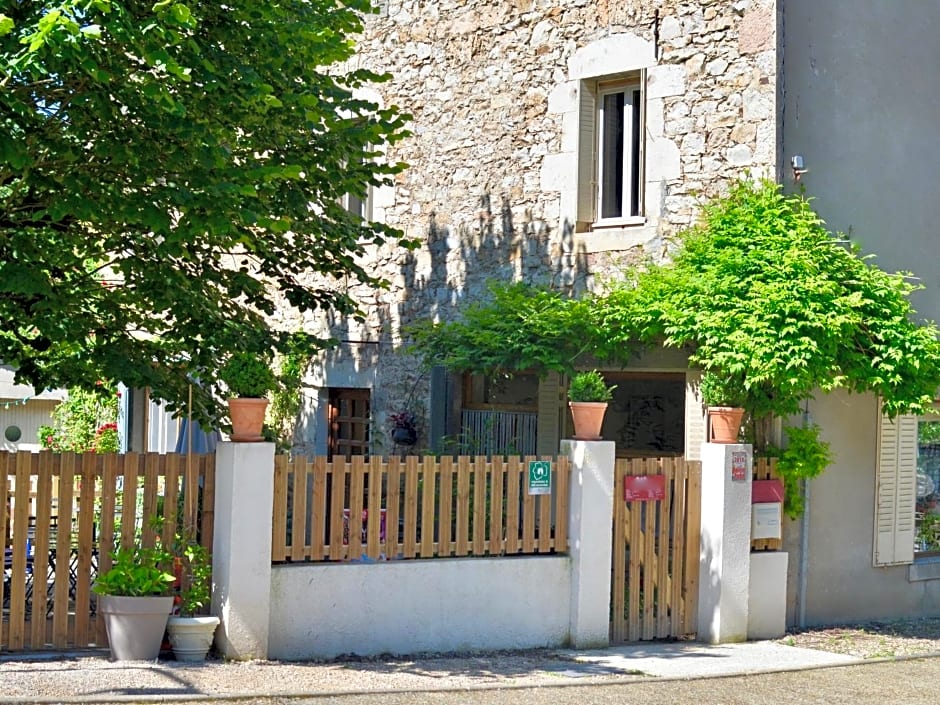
<point>349,419</point>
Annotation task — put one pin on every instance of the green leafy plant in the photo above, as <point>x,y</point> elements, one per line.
<point>79,419</point>
<point>804,457</point>
<point>519,327</point>
<point>137,572</point>
<point>590,386</point>
<point>192,565</point>
<point>722,390</point>
<point>286,397</point>
<point>247,375</point>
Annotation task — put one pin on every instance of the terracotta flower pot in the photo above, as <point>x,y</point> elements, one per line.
<point>724,423</point>
<point>247,419</point>
<point>588,417</point>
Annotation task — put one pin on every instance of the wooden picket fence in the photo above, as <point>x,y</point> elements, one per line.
<point>427,507</point>
<point>63,514</point>
<point>655,566</point>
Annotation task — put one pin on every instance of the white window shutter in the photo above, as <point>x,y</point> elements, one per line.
<point>694,417</point>
<point>548,436</point>
<point>587,153</point>
<point>895,491</point>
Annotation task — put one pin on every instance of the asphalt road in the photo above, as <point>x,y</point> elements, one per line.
<point>905,682</point>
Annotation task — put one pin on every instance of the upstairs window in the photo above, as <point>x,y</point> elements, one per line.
<point>610,168</point>
<point>618,148</point>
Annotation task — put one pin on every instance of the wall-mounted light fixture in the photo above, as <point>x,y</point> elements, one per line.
<point>798,167</point>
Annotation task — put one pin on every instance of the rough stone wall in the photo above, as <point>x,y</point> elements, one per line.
<point>477,77</point>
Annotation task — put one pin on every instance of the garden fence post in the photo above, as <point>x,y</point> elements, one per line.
<point>241,549</point>
<point>590,540</point>
<point>725,542</point>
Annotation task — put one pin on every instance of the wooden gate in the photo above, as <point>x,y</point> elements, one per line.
<point>62,515</point>
<point>656,551</point>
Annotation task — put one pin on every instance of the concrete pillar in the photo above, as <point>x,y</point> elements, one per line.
<point>767,601</point>
<point>590,521</point>
<point>241,548</point>
<point>726,543</point>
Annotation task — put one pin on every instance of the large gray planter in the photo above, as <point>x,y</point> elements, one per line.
<point>135,625</point>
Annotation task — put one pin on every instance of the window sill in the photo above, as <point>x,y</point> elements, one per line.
<point>926,568</point>
<point>630,222</point>
<point>611,238</point>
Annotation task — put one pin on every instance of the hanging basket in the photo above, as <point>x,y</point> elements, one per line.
<point>724,424</point>
<point>404,435</point>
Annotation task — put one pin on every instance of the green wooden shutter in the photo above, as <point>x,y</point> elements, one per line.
<point>548,435</point>
<point>895,491</point>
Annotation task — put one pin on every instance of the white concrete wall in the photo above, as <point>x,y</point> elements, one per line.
<point>860,105</point>
<point>321,611</point>
<point>840,527</point>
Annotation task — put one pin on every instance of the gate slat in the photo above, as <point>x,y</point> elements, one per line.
<point>619,559</point>
<point>393,508</point>
<point>678,525</point>
<point>663,543</point>
<point>60,617</point>
<point>7,465</point>
<point>693,535</point>
<point>446,503</point>
<point>513,501</point>
<point>319,510</point>
<point>41,546</point>
<point>298,538</point>
<point>279,519</point>
<point>82,552</point>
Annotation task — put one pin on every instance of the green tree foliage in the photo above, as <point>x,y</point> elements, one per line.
<point>761,293</point>
<point>171,174</point>
<point>762,297</point>
<point>84,421</point>
<point>518,327</point>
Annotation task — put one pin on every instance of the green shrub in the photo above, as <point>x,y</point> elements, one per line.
<point>590,386</point>
<point>247,375</point>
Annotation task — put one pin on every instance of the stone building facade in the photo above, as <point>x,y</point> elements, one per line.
<point>513,105</point>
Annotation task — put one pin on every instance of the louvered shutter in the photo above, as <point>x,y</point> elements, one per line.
<point>548,436</point>
<point>694,418</point>
<point>895,491</point>
<point>587,153</point>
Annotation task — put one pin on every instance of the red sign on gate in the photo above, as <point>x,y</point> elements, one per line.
<point>644,488</point>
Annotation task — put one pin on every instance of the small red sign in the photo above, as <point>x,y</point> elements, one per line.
<point>644,488</point>
<point>738,466</point>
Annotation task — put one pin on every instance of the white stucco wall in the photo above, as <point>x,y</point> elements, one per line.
<point>842,586</point>
<point>860,105</point>
<point>322,611</point>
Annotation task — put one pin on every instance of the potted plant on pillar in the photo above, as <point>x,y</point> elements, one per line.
<point>135,601</point>
<point>191,634</point>
<point>588,396</point>
<point>724,397</point>
<point>249,378</point>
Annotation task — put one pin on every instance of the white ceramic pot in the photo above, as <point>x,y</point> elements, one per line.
<point>191,637</point>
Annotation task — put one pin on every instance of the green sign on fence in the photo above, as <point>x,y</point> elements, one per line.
<point>540,477</point>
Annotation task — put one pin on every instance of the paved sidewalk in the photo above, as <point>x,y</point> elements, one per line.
<point>94,679</point>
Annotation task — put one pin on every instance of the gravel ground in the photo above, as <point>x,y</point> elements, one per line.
<point>59,678</point>
<point>914,637</point>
